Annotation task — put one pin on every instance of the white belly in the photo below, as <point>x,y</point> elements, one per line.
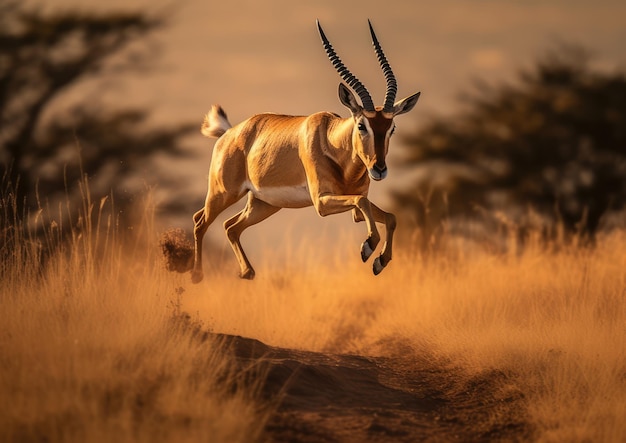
<point>284,196</point>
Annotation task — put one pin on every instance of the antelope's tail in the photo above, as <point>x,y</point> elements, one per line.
<point>215,123</point>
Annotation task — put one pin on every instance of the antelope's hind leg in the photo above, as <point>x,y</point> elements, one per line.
<point>214,205</point>
<point>200,227</point>
<point>255,211</point>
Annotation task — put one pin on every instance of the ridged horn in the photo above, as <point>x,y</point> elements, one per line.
<point>345,74</point>
<point>392,85</point>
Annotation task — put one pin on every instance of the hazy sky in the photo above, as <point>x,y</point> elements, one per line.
<point>257,56</point>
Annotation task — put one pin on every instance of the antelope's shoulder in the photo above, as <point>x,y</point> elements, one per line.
<point>322,117</point>
<point>320,121</point>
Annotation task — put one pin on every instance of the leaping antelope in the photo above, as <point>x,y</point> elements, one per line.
<point>283,161</point>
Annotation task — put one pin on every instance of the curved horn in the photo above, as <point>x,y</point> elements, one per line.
<point>392,85</point>
<point>345,74</point>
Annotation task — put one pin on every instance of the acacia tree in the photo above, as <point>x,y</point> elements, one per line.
<point>553,143</point>
<point>42,56</point>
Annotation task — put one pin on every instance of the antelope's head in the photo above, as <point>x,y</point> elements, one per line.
<point>373,125</point>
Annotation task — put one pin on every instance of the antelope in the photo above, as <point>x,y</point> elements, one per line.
<point>283,161</point>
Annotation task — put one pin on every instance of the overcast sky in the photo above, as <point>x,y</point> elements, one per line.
<point>257,56</point>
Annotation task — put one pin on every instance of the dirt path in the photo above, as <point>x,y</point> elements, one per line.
<point>347,398</point>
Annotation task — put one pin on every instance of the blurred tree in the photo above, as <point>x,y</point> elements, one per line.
<point>42,55</point>
<point>553,144</point>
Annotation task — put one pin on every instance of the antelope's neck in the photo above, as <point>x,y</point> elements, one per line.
<point>340,134</point>
<point>340,137</point>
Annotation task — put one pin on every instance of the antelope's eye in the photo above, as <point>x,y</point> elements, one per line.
<point>361,127</point>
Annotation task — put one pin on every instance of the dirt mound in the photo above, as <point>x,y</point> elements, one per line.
<point>350,398</point>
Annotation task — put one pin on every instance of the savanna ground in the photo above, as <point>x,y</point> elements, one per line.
<point>99,342</point>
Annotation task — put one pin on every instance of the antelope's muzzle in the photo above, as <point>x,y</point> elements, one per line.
<point>378,172</point>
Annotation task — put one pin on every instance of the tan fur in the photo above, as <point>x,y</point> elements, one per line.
<point>283,161</point>
<point>290,162</point>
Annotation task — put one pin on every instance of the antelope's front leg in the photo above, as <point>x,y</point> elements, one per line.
<point>390,226</point>
<point>389,220</point>
<point>334,204</point>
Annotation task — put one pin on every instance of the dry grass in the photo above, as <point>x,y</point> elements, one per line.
<point>92,349</point>
<point>552,318</point>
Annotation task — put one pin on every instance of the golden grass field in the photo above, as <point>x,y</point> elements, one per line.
<point>96,344</point>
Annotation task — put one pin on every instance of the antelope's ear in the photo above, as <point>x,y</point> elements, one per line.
<point>406,104</point>
<point>348,99</point>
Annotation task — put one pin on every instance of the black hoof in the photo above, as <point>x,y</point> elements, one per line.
<point>366,251</point>
<point>247,275</point>
<point>379,264</point>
